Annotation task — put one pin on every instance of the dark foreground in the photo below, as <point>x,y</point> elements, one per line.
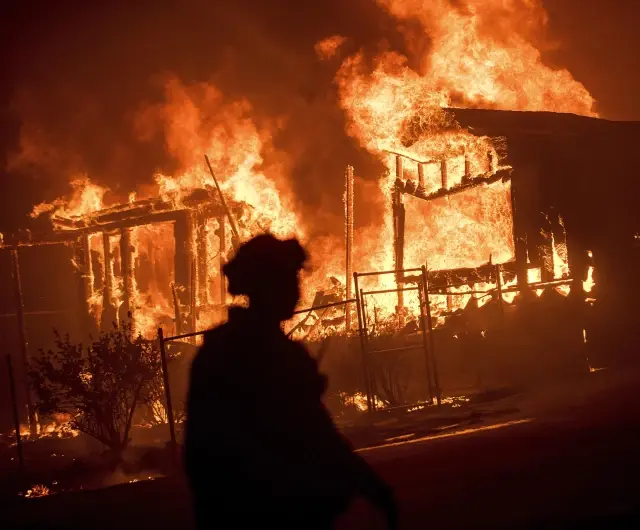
<point>569,458</point>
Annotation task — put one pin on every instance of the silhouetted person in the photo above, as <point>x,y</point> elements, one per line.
<point>260,449</point>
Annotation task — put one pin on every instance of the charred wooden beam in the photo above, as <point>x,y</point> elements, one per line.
<point>184,256</point>
<point>398,241</point>
<point>129,219</point>
<point>419,192</point>
<point>444,176</point>
<point>202,247</point>
<point>38,240</point>
<point>520,242</point>
<point>193,300</point>
<point>420,175</point>
<point>349,243</point>
<point>465,276</point>
<point>109,311</point>
<point>176,309</point>
<point>155,217</point>
<point>222,259</point>
<point>85,283</point>
<point>544,249</point>
<point>128,280</point>
<point>235,239</point>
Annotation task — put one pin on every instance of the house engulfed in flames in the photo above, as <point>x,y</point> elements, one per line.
<point>522,212</point>
<point>489,200</point>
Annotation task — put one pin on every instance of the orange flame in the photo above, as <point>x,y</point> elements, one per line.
<point>471,53</point>
<point>86,198</point>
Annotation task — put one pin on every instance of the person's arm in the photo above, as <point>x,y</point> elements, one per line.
<point>357,470</point>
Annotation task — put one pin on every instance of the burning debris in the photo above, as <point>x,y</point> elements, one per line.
<point>39,490</point>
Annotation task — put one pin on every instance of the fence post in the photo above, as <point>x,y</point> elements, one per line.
<point>167,391</point>
<point>361,329</point>
<point>423,325</point>
<point>16,418</point>
<point>425,280</point>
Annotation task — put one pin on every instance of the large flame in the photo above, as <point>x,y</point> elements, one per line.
<point>482,53</point>
<point>468,53</point>
<point>86,198</point>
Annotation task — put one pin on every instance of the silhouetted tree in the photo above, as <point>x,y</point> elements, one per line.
<point>99,385</point>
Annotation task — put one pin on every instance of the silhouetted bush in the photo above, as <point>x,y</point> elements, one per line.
<point>99,385</point>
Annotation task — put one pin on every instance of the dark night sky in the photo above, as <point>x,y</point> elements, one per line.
<point>78,71</point>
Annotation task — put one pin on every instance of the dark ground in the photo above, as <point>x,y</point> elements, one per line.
<point>571,462</point>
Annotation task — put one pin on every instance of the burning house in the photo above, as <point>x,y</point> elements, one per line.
<point>525,209</point>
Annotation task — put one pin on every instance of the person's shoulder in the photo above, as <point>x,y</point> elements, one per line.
<point>299,355</point>
<point>213,340</point>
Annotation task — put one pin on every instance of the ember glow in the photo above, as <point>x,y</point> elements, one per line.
<point>453,186</point>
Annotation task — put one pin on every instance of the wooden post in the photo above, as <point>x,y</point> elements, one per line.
<point>545,249</point>
<point>449,295</point>
<point>167,389</point>
<point>87,282</point>
<point>126,259</point>
<point>432,343</point>
<point>363,344</point>
<point>420,175</point>
<point>467,166</point>
<point>499,288</point>
<point>16,416</point>
<point>222,260</point>
<point>399,168</point>
<point>109,313</point>
<point>193,299</point>
<point>202,248</point>
<point>24,343</point>
<point>349,244</point>
<point>176,309</point>
<point>365,329</point>
<point>184,257</point>
<point>443,174</point>
<point>519,236</point>
<point>425,346</point>
<point>235,235</point>
<point>398,232</point>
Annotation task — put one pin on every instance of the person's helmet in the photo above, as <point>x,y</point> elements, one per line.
<point>263,260</point>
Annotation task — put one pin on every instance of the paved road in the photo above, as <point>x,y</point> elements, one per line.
<point>568,459</point>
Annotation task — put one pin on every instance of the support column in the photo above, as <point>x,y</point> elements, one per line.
<point>109,312</point>
<point>184,258</point>
<point>223,259</point>
<point>398,230</point>
<point>544,249</point>
<point>444,176</point>
<point>85,284</point>
<point>349,244</point>
<point>467,167</point>
<point>126,260</point>
<point>519,233</point>
<point>202,239</point>
<point>398,233</point>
